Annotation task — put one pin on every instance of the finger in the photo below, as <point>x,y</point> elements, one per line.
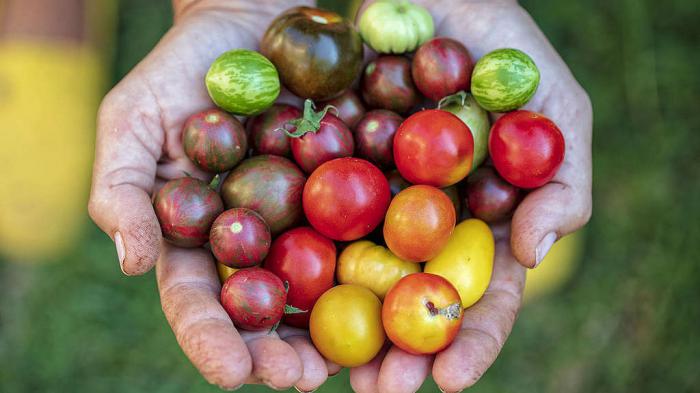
<point>363,379</point>
<point>485,328</point>
<point>402,372</point>
<point>189,292</point>
<point>333,368</point>
<point>275,362</point>
<point>314,371</point>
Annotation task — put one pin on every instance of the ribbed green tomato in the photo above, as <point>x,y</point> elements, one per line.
<point>464,106</point>
<point>504,80</point>
<point>243,82</point>
<point>390,26</point>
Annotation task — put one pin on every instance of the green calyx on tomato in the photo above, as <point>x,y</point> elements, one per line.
<point>390,26</point>
<point>464,106</point>
<point>310,121</point>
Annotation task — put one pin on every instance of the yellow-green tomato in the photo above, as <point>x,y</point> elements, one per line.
<point>391,26</point>
<point>346,325</point>
<point>372,266</point>
<point>467,260</point>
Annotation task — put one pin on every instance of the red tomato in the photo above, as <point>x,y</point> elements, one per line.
<point>419,222</point>
<point>346,198</point>
<point>422,313</point>
<point>433,147</point>
<point>526,148</point>
<point>254,298</point>
<point>306,260</point>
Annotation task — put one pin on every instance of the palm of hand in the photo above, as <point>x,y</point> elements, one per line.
<point>143,116</point>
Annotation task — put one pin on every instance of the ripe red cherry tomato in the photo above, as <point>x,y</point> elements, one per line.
<point>526,148</point>
<point>433,147</point>
<point>306,260</point>
<point>254,298</point>
<point>346,198</point>
<point>442,66</point>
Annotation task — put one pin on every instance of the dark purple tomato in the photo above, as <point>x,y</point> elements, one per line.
<point>186,208</point>
<point>318,137</point>
<point>349,106</point>
<point>488,196</point>
<point>387,84</point>
<point>441,67</point>
<point>374,137</point>
<point>265,130</point>
<point>239,238</point>
<point>318,53</point>
<point>270,185</point>
<point>254,298</point>
<point>214,140</point>
<point>398,184</point>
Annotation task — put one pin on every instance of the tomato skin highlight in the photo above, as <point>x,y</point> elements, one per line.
<point>442,66</point>
<point>419,222</point>
<point>527,149</point>
<point>254,298</point>
<point>422,313</point>
<point>433,147</point>
<point>346,198</point>
<point>239,238</point>
<point>346,325</point>
<point>306,260</point>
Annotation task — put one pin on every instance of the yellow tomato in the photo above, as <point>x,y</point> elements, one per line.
<point>346,325</point>
<point>467,260</point>
<point>372,266</point>
<point>224,271</point>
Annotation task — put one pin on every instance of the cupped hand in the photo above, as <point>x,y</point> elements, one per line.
<point>554,210</point>
<point>139,148</point>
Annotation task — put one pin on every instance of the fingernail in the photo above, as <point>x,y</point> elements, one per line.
<point>544,247</point>
<point>121,253</point>
<point>304,391</point>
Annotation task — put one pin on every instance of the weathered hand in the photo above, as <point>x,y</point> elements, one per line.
<point>139,148</point>
<point>546,214</point>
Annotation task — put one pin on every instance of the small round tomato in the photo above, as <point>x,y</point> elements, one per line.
<point>214,140</point>
<point>526,148</point>
<point>419,222</point>
<point>349,107</point>
<point>387,84</point>
<point>306,260</point>
<point>504,79</point>
<point>318,137</point>
<point>467,260</point>
<point>346,198</point>
<point>422,313</point>
<point>433,147</point>
<point>488,196</point>
<point>374,137</point>
<point>346,325</point>
<point>239,238</point>
<point>372,266</point>
<point>442,66</point>
<point>264,130</point>
<point>254,298</point>
<point>395,26</point>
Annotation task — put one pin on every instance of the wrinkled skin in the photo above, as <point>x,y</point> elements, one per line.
<point>374,137</point>
<point>214,140</point>
<point>441,67</point>
<point>387,84</point>
<point>269,185</point>
<point>265,130</point>
<point>186,209</point>
<point>239,238</point>
<point>254,298</point>
<point>489,197</point>
<point>138,148</point>
<point>306,260</point>
<point>349,107</point>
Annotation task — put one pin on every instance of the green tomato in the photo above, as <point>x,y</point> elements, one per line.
<point>504,79</point>
<point>390,26</point>
<point>243,82</point>
<point>464,106</point>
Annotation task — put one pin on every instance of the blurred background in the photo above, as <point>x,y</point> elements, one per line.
<point>615,308</point>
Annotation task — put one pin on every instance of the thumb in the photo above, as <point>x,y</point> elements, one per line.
<point>126,153</point>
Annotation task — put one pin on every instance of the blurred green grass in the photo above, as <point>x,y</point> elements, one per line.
<point>628,321</point>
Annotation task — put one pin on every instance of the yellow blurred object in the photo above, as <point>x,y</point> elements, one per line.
<point>224,271</point>
<point>556,268</point>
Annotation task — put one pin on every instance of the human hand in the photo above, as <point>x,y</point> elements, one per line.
<point>546,214</point>
<point>139,148</point>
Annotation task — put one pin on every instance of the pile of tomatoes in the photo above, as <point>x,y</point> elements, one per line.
<point>358,224</point>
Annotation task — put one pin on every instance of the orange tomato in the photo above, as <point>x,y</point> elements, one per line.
<point>419,223</point>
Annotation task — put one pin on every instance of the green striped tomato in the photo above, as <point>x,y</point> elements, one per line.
<point>504,80</point>
<point>243,82</point>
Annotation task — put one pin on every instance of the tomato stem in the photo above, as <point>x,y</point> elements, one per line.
<point>293,310</point>
<point>310,121</point>
<point>459,97</point>
<point>214,184</point>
